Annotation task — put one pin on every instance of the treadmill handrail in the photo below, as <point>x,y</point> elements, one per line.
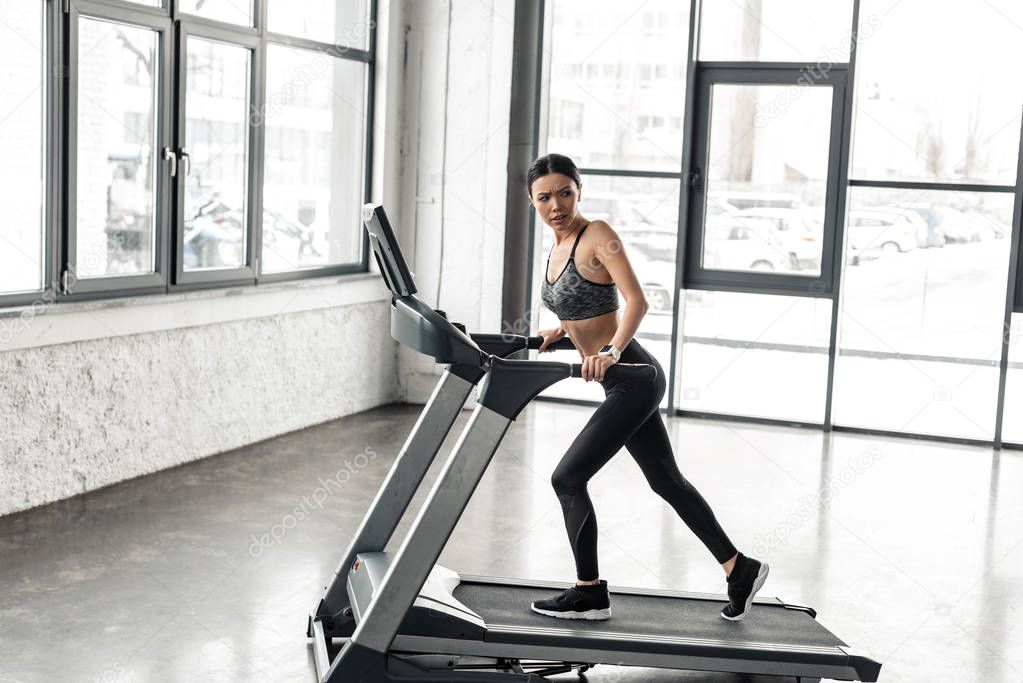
<point>511,384</point>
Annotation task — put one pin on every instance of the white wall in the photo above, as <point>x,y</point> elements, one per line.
<point>455,149</point>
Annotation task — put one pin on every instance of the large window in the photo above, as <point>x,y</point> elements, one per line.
<point>234,11</point>
<point>776,30</point>
<point>22,116</point>
<point>195,147</point>
<point>847,208</point>
<point>925,112</point>
<point>616,84</point>
<point>313,184</point>
<point>343,23</point>
<point>758,355</point>
<point>216,135</point>
<point>766,179</point>
<point>922,313</point>
<point>116,169</point>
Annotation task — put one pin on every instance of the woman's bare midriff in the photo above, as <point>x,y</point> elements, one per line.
<point>593,333</point>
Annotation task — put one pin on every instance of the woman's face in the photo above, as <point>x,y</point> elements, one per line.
<point>556,198</point>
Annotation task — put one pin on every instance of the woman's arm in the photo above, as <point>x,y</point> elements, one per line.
<point>610,251</point>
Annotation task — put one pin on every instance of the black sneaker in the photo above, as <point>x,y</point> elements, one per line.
<point>578,602</point>
<point>747,577</point>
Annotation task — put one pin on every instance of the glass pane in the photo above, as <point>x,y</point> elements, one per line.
<point>216,109</point>
<point>777,30</point>
<point>117,172</point>
<point>22,89</point>
<point>907,125</point>
<point>232,11</point>
<point>617,83</point>
<point>1012,424</point>
<point>766,178</point>
<point>921,328</point>
<point>644,213</point>
<point>345,23</point>
<point>759,355</point>
<point>315,160</point>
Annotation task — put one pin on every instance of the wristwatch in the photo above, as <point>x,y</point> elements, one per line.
<point>610,350</point>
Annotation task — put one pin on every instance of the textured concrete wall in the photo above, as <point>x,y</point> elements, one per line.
<point>87,414</point>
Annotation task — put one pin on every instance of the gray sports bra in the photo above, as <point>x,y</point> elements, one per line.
<point>573,297</point>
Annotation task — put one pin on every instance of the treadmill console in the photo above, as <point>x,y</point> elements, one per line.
<point>387,252</point>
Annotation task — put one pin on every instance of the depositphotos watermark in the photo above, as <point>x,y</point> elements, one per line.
<point>310,503</point>
<point>303,77</point>
<point>111,675</point>
<point>90,262</point>
<point>810,505</point>
<point>808,76</point>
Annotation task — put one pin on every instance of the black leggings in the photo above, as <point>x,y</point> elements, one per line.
<point>629,417</point>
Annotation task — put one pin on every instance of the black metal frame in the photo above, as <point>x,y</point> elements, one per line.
<point>60,149</point>
<point>368,57</point>
<point>694,275</point>
<point>71,286</point>
<point>247,39</point>
<point>538,125</point>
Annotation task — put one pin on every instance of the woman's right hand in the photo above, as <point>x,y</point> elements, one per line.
<point>549,337</point>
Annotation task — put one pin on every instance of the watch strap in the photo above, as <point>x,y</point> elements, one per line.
<point>611,350</point>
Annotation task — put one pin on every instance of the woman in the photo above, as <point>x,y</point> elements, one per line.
<point>589,265</point>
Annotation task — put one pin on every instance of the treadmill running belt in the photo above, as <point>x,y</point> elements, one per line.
<point>650,614</point>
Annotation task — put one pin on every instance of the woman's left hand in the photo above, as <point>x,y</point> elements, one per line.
<point>595,366</point>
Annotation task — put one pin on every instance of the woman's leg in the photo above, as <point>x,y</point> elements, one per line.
<point>650,447</point>
<point>604,435</point>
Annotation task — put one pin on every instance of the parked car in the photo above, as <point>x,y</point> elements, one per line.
<point>801,233</point>
<point>717,206</point>
<point>935,233</point>
<point>652,255</point>
<point>886,231</point>
<point>961,227</point>
<point>619,211</point>
<point>743,244</point>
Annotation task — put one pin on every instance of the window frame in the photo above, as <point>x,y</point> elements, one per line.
<point>366,57</point>
<point>59,137</point>
<point>693,274</point>
<point>70,286</point>
<point>248,40</point>
<point>52,137</point>
<point>1015,302</point>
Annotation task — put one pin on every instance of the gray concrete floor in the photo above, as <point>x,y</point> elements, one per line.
<point>910,550</point>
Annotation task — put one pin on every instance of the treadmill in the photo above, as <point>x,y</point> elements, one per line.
<point>397,617</point>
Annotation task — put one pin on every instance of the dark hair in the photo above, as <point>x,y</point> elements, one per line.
<point>551,163</point>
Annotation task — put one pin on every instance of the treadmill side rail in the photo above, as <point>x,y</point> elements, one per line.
<point>400,486</point>
<point>429,533</point>
<point>809,663</point>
